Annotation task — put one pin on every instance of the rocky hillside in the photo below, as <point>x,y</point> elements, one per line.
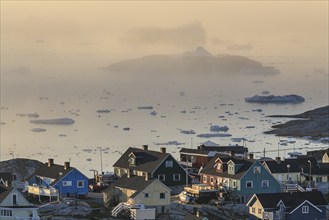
<point>314,123</point>
<point>20,166</point>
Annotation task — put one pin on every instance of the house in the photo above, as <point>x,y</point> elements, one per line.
<point>158,165</point>
<point>196,158</point>
<point>289,206</point>
<point>152,193</point>
<point>320,155</point>
<point>240,176</point>
<point>14,206</point>
<point>58,180</point>
<point>6,178</point>
<point>286,171</point>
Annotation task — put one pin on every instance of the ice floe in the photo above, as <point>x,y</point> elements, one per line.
<point>57,121</point>
<point>217,128</point>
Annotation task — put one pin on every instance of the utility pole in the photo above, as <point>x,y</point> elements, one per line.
<point>100,150</point>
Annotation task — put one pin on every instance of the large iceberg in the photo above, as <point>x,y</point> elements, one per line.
<point>276,99</point>
<point>57,121</point>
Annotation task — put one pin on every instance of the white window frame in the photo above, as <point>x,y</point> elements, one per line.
<point>162,177</point>
<point>6,212</point>
<point>257,170</point>
<point>259,211</point>
<point>66,183</point>
<point>176,175</point>
<point>80,181</point>
<point>252,184</point>
<point>234,184</point>
<point>169,163</point>
<point>305,209</point>
<point>204,179</point>
<point>253,210</point>
<point>267,185</point>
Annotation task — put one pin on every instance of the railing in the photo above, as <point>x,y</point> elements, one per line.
<point>42,191</point>
<point>294,188</point>
<point>27,218</point>
<point>119,208</point>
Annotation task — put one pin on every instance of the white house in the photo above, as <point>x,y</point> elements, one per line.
<point>14,206</point>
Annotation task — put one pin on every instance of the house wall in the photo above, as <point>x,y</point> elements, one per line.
<point>283,177</point>
<point>257,206</point>
<point>153,199</point>
<point>21,201</point>
<point>73,191</point>
<point>325,158</point>
<point>170,171</point>
<point>313,213</point>
<point>274,186</point>
<point>320,178</point>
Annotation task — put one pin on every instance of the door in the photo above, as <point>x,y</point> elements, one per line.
<point>280,178</point>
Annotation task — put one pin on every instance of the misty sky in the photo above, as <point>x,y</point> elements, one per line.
<point>132,28</point>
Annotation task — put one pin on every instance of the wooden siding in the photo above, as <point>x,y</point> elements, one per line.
<point>170,171</point>
<point>273,187</point>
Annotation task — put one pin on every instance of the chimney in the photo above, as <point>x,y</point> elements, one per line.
<point>278,160</point>
<point>50,162</point>
<point>66,165</point>
<point>163,150</point>
<point>251,156</point>
<point>147,176</point>
<point>145,147</point>
<point>232,153</point>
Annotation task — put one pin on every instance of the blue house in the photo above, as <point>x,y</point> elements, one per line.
<point>289,206</point>
<point>240,176</point>
<point>58,180</point>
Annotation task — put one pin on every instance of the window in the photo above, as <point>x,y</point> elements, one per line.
<point>176,177</point>
<point>204,179</point>
<point>257,170</point>
<point>14,199</point>
<point>131,161</point>
<point>80,184</point>
<point>234,184</point>
<point>259,211</point>
<point>319,179</point>
<point>211,179</point>
<point>265,183</point>
<point>146,195</point>
<point>6,212</point>
<point>219,166</point>
<point>253,210</point>
<point>67,183</point>
<point>162,195</point>
<point>249,184</point>
<point>304,209</point>
<point>161,177</point>
<point>169,163</point>
<point>281,208</point>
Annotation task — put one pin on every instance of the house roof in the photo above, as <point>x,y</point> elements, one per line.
<point>4,191</point>
<point>318,154</point>
<point>52,172</point>
<point>6,176</point>
<point>290,199</point>
<point>149,160</point>
<point>137,183</point>
<point>210,167</point>
<point>281,167</point>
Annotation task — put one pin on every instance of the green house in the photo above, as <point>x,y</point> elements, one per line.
<point>240,176</point>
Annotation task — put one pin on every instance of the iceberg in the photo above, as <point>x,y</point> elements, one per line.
<point>57,121</point>
<point>275,99</point>
<point>207,135</point>
<point>217,128</point>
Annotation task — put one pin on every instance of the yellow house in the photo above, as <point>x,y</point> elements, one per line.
<point>284,171</point>
<point>141,190</point>
<point>14,206</point>
<point>325,158</point>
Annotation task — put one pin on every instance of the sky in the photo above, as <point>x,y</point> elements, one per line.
<point>126,28</point>
<point>52,53</point>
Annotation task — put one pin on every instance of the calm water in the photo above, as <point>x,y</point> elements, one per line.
<point>73,87</point>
